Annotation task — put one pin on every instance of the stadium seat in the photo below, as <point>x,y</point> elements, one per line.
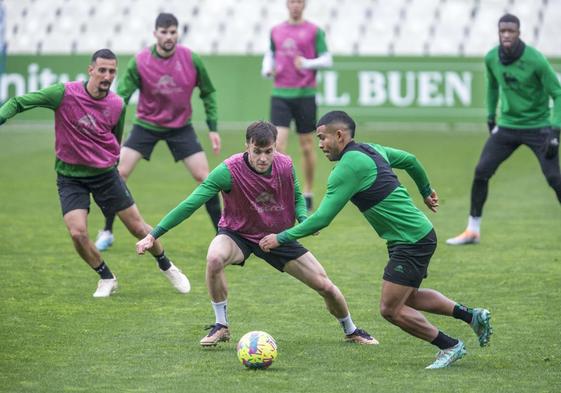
<point>363,27</point>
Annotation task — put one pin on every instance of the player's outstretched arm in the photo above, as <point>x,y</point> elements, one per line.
<point>49,97</point>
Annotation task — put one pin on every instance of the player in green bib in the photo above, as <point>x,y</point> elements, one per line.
<point>364,176</point>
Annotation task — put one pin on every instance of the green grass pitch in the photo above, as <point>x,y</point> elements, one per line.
<point>54,337</point>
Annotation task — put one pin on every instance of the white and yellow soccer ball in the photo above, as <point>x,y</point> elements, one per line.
<point>257,350</point>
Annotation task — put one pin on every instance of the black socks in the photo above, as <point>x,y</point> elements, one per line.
<point>103,271</point>
<point>443,341</point>
<point>462,312</point>
<point>163,262</point>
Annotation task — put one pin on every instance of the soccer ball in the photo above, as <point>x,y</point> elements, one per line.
<point>257,350</point>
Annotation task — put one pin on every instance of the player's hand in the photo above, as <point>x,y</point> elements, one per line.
<point>491,125</point>
<point>298,62</point>
<point>432,201</point>
<point>215,141</point>
<point>145,244</point>
<point>269,242</point>
<point>552,143</point>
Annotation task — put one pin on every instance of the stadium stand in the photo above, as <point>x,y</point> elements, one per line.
<point>363,27</point>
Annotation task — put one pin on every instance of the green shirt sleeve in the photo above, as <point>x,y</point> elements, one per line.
<point>49,97</point>
<point>401,159</point>
<point>321,44</point>
<point>130,82</point>
<point>301,211</point>
<point>218,180</point>
<point>492,91</point>
<point>208,93</point>
<point>551,84</point>
<point>342,184</point>
<point>118,130</point>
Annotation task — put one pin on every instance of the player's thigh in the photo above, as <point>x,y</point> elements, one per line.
<point>308,270</point>
<point>223,251</point>
<point>537,143</point>
<point>133,221</point>
<point>500,145</point>
<point>549,166</point>
<point>76,221</point>
<point>197,165</point>
<point>282,138</point>
<point>128,160</point>
<point>394,295</point>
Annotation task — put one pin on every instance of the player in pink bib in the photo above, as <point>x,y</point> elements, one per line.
<point>166,75</point>
<point>89,122</point>
<point>297,50</point>
<point>260,192</point>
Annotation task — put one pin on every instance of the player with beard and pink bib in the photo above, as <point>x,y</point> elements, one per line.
<point>89,121</point>
<point>166,76</point>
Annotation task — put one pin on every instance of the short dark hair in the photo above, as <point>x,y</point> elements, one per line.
<point>341,117</point>
<point>103,54</point>
<point>261,133</point>
<point>166,20</point>
<point>509,18</point>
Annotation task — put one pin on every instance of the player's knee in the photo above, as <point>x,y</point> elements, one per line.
<point>388,312</point>
<point>307,148</point>
<point>123,172</point>
<point>199,177</point>
<point>481,173</point>
<point>325,287</point>
<point>79,234</point>
<point>214,263</point>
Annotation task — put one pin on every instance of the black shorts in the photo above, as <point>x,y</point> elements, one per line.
<point>109,191</point>
<point>277,257</point>
<point>408,263</point>
<point>182,142</point>
<point>302,110</point>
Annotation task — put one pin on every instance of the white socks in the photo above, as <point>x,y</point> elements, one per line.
<point>474,224</point>
<point>347,324</point>
<point>220,312</point>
